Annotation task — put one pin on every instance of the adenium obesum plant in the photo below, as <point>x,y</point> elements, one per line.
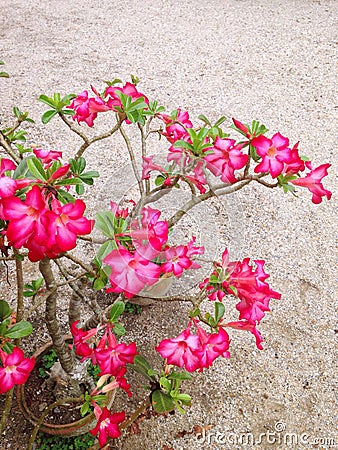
<point>43,218</point>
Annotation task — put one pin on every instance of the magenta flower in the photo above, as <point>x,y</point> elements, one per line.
<point>148,166</point>
<point>177,260</point>
<point>86,108</point>
<point>107,425</point>
<point>176,129</point>
<point>8,186</point>
<point>16,369</point>
<point>212,346</point>
<point>80,338</point>
<point>313,181</point>
<point>25,218</point>
<point>181,351</point>
<point>274,152</point>
<point>225,159</point>
<point>296,164</point>
<point>111,359</point>
<point>64,224</point>
<point>153,232</point>
<point>131,272</point>
<point>246,326</point>
<point>128,89</point>
<point>47,156</point>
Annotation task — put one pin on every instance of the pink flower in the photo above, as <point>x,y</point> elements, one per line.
<point>47,156</point>
<point>131,272</point>
<point>274,152</point>
<point>212,346</point>
<point>86,108</point>
<point>225,159</point>
<point>313,181</point>
<point>80,337</point>
<point>148,166</point>
<point>111,356</point>
<point>118,212</point>
<point>153,232</point>
<point>128,89</point>
<point>25,218</point>
<point>181,351</point>
<point>16,369</point>
<point>176,129</point>
<point>245,325</point>
<point>64,224</point>
<point>177,260</point>
<point>111,359</point>
<point>107,425</point>
<point>8,186</point>
<point>296,164</point>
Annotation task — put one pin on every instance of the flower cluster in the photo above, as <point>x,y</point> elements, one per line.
<point>36,219</point>
<point>143,254</point>
<point>195,351</point>
<point>248,285</point>
<point>112,358</point>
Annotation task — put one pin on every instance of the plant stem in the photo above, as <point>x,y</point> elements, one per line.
<point>65,357</point>
<point>44,414</point>
<point>133,162</point>
<point>7,410</point>
<point>8,149</point>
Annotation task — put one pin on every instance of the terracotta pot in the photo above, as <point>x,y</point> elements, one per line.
<point>76,428</point>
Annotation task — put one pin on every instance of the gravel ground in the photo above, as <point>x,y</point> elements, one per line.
<point>271,60</point>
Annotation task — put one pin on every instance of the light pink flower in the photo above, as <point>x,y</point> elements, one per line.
<point>181,351</point>
<point>16,369</point>
<point>313,181</point>
<point>131,272</point>
<point>274,152</point>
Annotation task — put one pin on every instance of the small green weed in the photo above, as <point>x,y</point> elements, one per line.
<point>46,442</point>
<point>48,361</point>
<point>131,308</point>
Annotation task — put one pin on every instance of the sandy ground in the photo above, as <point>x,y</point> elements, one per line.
<point>274,61</point>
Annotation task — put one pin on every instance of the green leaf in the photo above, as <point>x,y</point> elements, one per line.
<point>204,119</point>
<point>22,170</point>
<point>68,182</point>
<point>104,250</point>
<point>101,281</point>
<point>19,330</point>
<point>183,144</point>
<point>159,180</point>
<point>48,116</point>
<point>84,409</point>
<point>116,310</point>
<point>47,100</point>
<point>165,384</point>
<point>4,75</point>
<point>142,366</point>
<point>105,222</point>
<point>65,197</point>
<point>119,330</point>
<point>5,310</point>
<point>180,376</point>
<point>219,311</point>
<point>35,167</point>
<point>161,402</point>
<point>220,121</point>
